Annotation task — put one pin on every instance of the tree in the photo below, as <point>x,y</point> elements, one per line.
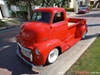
<point>99,3</point>
<point>24,2</point>
<point>59,3</point>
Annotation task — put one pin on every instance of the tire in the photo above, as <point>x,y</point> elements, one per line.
<point>53,55</point>
<point>84,35</point>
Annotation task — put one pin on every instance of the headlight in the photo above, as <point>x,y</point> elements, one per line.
<point>37,52</point>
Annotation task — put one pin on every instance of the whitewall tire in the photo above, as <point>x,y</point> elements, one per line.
<point>53,55</point>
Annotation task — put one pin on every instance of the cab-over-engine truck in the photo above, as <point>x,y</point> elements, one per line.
<point>48,34</point>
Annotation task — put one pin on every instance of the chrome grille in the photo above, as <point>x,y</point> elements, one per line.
<point>26,52</point>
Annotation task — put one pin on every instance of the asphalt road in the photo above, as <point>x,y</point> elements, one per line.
<point>10,64</point>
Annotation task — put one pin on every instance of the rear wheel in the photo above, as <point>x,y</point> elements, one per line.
<point>53,55</point>
<point>84,35</point>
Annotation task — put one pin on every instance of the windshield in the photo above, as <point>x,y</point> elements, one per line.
<point>83,6</point>
<point>41,17</point>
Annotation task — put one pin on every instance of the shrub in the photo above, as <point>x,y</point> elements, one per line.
<point>69,9</point>
<point>13,14</point>
<point>91,6</point>
<point>22,14</point>
<point>2,23</point>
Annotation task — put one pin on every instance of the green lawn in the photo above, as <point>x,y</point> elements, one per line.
<point>7,22</point>
<point>2,23</point>
<point>89,62</point>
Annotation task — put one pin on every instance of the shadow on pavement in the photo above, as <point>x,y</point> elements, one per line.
<point>90,15</point>
<point>93,25</point>
<point>9,60</point>
<point>92,36</point>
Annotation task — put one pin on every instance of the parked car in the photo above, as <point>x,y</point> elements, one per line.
<point>84,9</point>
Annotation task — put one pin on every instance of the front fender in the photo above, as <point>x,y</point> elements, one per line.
<point>46,47</point>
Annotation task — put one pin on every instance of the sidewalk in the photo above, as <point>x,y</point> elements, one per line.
<point>70,14</point>
<point>14,25</point>
<point>95,9</point>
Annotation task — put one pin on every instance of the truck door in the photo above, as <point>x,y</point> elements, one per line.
<point>59,26</point>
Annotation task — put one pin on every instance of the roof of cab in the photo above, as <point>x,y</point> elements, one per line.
<point>50,9</point>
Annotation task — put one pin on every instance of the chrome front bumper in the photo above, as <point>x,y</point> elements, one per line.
<point>34,67</point>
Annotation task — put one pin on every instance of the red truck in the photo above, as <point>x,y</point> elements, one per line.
<point>48,34</point>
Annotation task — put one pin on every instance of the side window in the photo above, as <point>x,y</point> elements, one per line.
<point>33,16</point>
<point>58,17</point>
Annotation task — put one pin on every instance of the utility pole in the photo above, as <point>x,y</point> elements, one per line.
<point>86,2</point>
<point>77,3</point>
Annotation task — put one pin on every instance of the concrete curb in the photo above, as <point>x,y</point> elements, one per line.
<point>20,21</point>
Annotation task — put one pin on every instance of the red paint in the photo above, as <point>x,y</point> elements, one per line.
<point>46,36</point>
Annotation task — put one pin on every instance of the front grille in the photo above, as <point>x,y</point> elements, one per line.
<point>26,52</point>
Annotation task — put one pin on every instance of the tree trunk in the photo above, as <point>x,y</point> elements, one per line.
<point>29,10</point>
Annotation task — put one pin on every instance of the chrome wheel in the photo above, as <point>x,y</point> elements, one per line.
<point>53,55</point>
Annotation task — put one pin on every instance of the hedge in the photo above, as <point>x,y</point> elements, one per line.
<point>69,9</point>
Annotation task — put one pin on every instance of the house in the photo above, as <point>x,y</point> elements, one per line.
<point>95,3</point>
<point>3,9</point>
<point>74,3</point>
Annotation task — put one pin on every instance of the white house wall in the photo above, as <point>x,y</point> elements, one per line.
<point>14,8</point>
<point>71,4</point>
<point>0,15</point>
<point>35,7</point>
<point>5,10</point>
<point>2,2</point>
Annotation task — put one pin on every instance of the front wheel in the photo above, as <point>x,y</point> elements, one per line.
<point>53,55</point>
